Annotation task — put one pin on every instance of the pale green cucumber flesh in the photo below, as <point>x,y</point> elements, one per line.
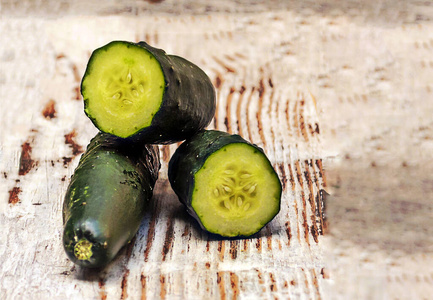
<point>236,191</point>
<point>123,88</point>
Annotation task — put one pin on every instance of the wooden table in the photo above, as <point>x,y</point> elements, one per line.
<point>339,95</point>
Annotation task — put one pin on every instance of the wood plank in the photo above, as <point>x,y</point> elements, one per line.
<point>337,96</point>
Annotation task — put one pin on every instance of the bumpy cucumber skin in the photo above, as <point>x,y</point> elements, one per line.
<point>189,159</point>
<point>107,196</point>
<point>188,104</point>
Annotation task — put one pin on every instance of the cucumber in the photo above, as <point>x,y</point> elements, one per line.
<point>106,198</point>
<point>226,183</point>
<point>132,90</point>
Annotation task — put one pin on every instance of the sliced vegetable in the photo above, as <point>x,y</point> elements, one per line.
<point>135,90</point>
<point>106,198</point>
<point>226,183</point>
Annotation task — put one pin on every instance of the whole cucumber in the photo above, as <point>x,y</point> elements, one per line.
<point>106,198</point>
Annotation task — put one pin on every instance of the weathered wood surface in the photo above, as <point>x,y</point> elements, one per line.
<point>338,95</point>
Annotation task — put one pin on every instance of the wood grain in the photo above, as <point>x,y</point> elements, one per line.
<point>337,95</point>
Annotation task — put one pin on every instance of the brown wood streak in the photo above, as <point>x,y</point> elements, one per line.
<point>231,58</point>
<point>77,77</point>
<point>227,68</point>
<point>316,284</point>
<point>218,80</point>
<point>282,170</point>
<point>283,176</point>
<point>271,101</point>
<point>221,285</point>
<point>102,291</point>
<point>234,283</point>
<point>281,132</point>
<point>269,112</point>
<point>126,274</point>
<point>304,203</point>
<point>292,179</point>
<point>124,285</point>
<point>240,55</point>
<point>286,285</point>
<point>302,121</point>
<point>169,235</point>
<point>316,179</point>
<point>259,244</point>
<point>298,231</point>
<point>185,230</point>
<point>261,91</point>
<point>320,213</point>
<point>163,291</point>
<point>273,285</point>
<point>234,248</point>
<point>217,83</point>
<point>292,182</point>
<point>206,279</point>
<point>318,200</point>
<point>143,280</point>
<point>305,223</point>
<point>245,242</point>
<point>289,234</point>
<point>238,110</point>
<point>269,237</point>
<point>322,204</point>
<point>261,281</point>
<point>221,249</point>
<point>311,200</point>
<point>250,136</point>
<point>321,173</point>
<point>287,116</point>
<point>227,120</point>
<point>77,93</point>
<point>151,232</point>
<point>306,281</point>
<point>295,119</point>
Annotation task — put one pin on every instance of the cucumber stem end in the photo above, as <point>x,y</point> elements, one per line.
<point>83,249</point>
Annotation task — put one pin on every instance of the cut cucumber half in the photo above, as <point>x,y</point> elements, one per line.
<point>226,183</point>
<point>123,88</point>
<point>135,90</point>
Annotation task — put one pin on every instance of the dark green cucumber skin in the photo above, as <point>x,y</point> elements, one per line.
<point>188,104</point>
<point>189,158</point>
<point>107,196</point>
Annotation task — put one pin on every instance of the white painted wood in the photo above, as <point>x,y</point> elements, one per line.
<point>338,94</point>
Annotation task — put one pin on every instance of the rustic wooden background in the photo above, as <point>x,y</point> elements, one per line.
<point>339,95</point>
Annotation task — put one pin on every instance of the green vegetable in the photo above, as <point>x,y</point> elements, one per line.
<point>226,183</point>
<point>135,90</point>
<point>106,198</point>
